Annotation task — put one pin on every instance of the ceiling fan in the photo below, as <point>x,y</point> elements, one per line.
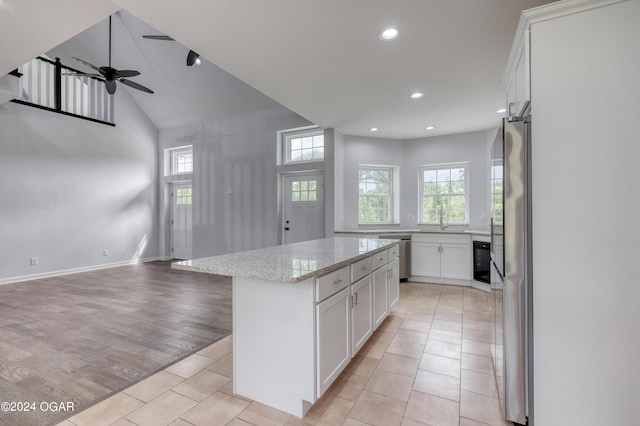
<point>110,75</point>
<point>192,57</point>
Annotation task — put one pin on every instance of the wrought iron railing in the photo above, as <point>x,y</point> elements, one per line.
<point>44,84</point>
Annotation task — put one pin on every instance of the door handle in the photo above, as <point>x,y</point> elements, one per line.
<point>286,228</point>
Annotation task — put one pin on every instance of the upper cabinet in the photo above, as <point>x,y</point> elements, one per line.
<point>516,80</point>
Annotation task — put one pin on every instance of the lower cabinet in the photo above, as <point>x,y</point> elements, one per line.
<point>334,342</point>
<point>361,315</point>
<point>394,282</point>
<point>441,256</point>
<point>345,320</point>
<point>380,296</point>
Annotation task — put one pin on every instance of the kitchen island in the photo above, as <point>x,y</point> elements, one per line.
<point>302,311</point>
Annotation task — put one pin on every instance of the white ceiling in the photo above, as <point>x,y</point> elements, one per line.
<point>321,59</point>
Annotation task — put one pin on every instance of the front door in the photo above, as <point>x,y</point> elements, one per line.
<point>304,207</point>
<point>181,221</point>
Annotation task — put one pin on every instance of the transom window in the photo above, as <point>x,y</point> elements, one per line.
<point>182,160</point>
<point>184,196</point>
<point>305,146</point>
<point>444,193</point>
<point>375,202</point>
<point>304,190</point>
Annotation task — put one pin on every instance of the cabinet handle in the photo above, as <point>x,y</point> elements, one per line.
<point>355,298</point>
<point>364,268</point>
<point>336,282</point>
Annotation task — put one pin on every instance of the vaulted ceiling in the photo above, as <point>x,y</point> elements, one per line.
<point>321,59</point>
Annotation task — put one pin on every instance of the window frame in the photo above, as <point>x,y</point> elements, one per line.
<point>174,153</point>
<point>287,137</point>
<point>421,194</point>
<point>391,211</point>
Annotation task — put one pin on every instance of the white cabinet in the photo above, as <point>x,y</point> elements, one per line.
<point>394,282</point>
<point>380,296</point>
<point>455,261</point>
<point>361,315</point>
<point>334,338</point>
<point>441,256</point>
<point>517,78</point>
<point>425,259</point>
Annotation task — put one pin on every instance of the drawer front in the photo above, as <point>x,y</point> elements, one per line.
<point>441,238</point>
<point>361,268</point>
<point>393,252</point>
<point>331,283</point>
<point>379,259</point>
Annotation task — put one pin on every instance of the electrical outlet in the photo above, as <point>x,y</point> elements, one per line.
<point>105,252</point>
<point>33,260</point>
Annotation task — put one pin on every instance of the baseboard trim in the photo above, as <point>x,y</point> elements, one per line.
<point>51,274</point>
<point>438,280</point>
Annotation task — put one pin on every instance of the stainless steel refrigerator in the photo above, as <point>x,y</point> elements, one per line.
<point>511,268</point>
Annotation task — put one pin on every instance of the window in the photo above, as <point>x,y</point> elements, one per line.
<point>183,196</point>
<point>304,146</point>
<point>444,193</point>
<point>182,160</point>
<point>375,202</point>
<point>497,188</point>
<point>304,190</point>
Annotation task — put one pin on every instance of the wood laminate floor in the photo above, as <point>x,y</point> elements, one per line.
<point>79,338</point>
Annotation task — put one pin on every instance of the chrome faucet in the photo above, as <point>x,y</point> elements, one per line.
<point>443,225</point>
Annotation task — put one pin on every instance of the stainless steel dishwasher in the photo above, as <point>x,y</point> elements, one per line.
<point>405,253</point>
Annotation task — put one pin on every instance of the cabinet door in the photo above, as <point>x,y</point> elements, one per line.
<point>521,83</point>
<point>456,261</point>
<point>334,340</point>
<point>394,282</point>
<point>380,296</point>
<point>361,314</point>
<point>425,259</point>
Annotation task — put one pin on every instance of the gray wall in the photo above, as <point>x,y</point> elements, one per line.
<point>71,188</point>
<point>235,204</point>
<point>409,155</point>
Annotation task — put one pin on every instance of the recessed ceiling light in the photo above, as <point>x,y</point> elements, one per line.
<point>501,111</point>
<point>373,129</point>
<point>430,128</point>
<point>388,33</point>
<point>417,95</point>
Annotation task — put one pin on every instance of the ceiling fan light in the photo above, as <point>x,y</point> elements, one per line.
<point>198,61</point>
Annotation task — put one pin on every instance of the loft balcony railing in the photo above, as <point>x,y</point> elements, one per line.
<point>43,84</point>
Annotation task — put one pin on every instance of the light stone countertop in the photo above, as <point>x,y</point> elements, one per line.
<point>290,263</point>
<point>409,231</point>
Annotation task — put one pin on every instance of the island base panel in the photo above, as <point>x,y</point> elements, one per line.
<point>273,343</point>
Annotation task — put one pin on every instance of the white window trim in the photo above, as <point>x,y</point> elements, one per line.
<point>393,196</point>
<point>286,137</point>
<point>421,169</point>
<point>170,158</point>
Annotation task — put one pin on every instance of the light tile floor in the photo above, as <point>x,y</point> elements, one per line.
<point>429,363</point>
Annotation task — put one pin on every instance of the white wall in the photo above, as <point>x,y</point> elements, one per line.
<point>470,147</point>
<point>585,154</point>
<point>362,150</point>
<point>71,188</point>
<point>408,156</point>
<point>235,204</point>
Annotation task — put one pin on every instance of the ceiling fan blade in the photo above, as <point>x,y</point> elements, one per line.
<point>135,85</point>
<point>192,57</point>
<point>127,73</point>
<point>111,86</point>
<point>87,63</point>
<point>158,37</point>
